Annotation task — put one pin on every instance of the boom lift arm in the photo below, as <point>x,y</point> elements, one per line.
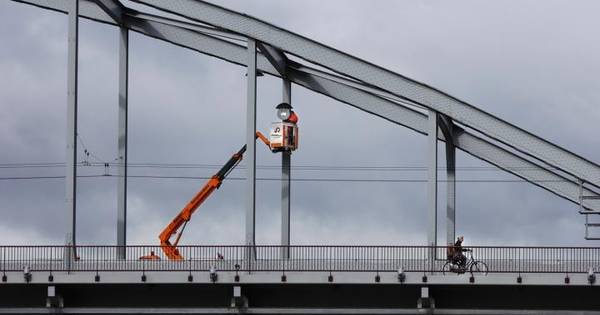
<point>181,220</point>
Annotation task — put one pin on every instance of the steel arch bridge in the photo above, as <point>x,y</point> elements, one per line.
<point>265,48</point>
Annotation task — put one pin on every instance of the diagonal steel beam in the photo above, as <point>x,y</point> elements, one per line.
<point>397,84</point>
<point>275,57</point>
<point>187,25</point>
<point>396,112</point>
<point>113,8</point>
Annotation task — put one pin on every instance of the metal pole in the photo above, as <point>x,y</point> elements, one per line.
<point>432,184</point>
<point>251,151</point>
<point>285,184</point>
<point>71,150</point>
<point>122,143</point>
<point>450,192</point>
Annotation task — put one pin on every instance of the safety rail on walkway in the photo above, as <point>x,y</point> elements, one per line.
<point>301,258</point>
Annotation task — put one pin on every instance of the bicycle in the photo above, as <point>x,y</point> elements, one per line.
<point>471,265</point>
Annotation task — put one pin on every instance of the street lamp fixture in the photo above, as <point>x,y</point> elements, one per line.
<point>284,111</point>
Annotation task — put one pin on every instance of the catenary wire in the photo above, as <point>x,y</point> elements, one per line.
<point>265,167</point>
<point>357,180</point>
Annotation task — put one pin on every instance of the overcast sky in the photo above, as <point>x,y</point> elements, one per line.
<point>533,63</point>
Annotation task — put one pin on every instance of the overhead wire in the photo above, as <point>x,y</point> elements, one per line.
<point>100,162</point>
<point>265,167</point>
<point>306,179</point>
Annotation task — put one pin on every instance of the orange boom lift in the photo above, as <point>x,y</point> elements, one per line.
<point>181,220</point>
<point>282,137</point>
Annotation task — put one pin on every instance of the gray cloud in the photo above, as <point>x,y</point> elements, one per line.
<point>530,64</point>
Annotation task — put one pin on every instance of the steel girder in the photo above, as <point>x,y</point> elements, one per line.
<point>71,140</point>
<point>286,171</point>
<point>433,123</point>
<point>397,84</point>
<point>189,26</point>
<point>122,141</point>
<point>344,90</point>
<point>114,8</point>
<point>275,57</point>
<point>449,130</point>
<point>463,140</point>
<point>250,158</point>
<point>87,9</point>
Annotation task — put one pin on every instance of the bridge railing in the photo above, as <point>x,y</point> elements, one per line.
<point>301,258</point>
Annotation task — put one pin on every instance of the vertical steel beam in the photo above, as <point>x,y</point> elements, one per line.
<point>251,151</point>
<point>122,142</point>
<point>432,160</point>
<point>449,130</point>
<point>71,149</point>
<point>450,191</point>
<point>286,157</point>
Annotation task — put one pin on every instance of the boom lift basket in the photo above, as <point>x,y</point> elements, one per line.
<point>283,136</point>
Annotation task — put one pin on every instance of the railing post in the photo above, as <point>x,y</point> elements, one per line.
<point>520,259</point>
<point>4,261</point>
<point>378,265</point>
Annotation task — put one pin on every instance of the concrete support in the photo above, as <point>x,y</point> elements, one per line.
<point>122,142</point>
<point>432,160</point>
<point>251,150</point>
<point>286,157</point>
<point>71,150</point>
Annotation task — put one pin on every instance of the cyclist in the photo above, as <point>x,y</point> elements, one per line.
<point>458,258</point>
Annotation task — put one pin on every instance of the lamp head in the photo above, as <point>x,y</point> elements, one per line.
<point>284,111</point>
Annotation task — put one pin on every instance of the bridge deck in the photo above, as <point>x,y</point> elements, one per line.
<point>323,279</point>
<point>303,265</point>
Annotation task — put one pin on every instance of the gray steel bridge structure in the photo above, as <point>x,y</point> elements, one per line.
<point>307,279</point>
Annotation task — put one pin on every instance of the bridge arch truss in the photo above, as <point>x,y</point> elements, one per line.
<point>264,48</point>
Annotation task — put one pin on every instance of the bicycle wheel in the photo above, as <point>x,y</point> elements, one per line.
<point>447,268</point>
<point>479,266</point>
